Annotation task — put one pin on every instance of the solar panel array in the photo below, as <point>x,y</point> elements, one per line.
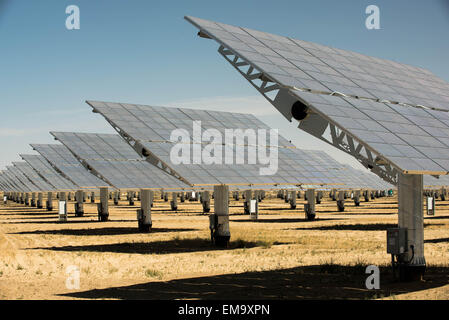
<point>7,184</point>
<point>3,183</point>
<point>65,162</point>
<point>431,181</point>
<point>348,176</point>
<point>13,182</point>
<point>152,126</point>
<point>411,137</point>
<point>33,176</point>
<point>112,158</point>
<point>18,175</point>
<point>46,171</point>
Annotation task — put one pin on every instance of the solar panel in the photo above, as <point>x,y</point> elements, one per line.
<point>13,182</point>
<point>150,128</point>
<point>5,183</point>
<point>29,186</point>
<point>349,177</point>
<point>390,116</point>
<point>65,162</point>
<point>46,171</point>
<point>431,181</point>
<point>33,176</point>
<point>307,65</point>
<point>109,156</point>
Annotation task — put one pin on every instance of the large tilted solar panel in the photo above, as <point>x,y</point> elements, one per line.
<point>29,186</point>
<point>431,181</point>
<point>151,127</point>
<point>307,65</point>
<point>5,184</point>
<point>113,159</point>
<point>413,138</point>
<point>16,185</point>
<point>26,185</point>
<point>13,182</point>
<point>410,138</point>
<point>357,179</point>
<point>32,175</point>
<point>65,162</point>
<point>348,176</point>
<point>46,171</point>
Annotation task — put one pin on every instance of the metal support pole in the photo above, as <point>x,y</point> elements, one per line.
<point>103,206</point>
<point>49,201</point>
<point>341,201</point>
<point>144,213</point>
<point>33,199</point>
<point>248,196</point>
<point>293,199</point>
<point>219,221</point>
<point>319,196</point>
<point>357,198</point>
<point>79,205</point>
<point>334,194</point>
<point>410,204</point>
<point>206,201</point>
<point>131,198</point>
<point>309,207</point>
<point>443,194</point>
<point>174,201</point>
<point>116,197</point>
<point>366,195</point>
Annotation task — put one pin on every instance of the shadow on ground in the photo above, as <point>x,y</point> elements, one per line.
<point>435,217</point>
<point>102,231</point>
<point>360,227</point>
<point>160,247</point>
<point>70,221</point>
<point>440,240</point>
<point>285,220</point>
<point>310,282</point>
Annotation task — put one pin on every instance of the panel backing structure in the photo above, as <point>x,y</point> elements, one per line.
<point>48,173</point>
<point>63,161</point>
<point>109,157</point>
<point>33,176</point>
<point>148,129</point>
<point>390,116</point>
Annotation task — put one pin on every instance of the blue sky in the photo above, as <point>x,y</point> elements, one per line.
<point>145,52</point>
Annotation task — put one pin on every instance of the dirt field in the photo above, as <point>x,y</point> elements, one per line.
<point>282,256</point>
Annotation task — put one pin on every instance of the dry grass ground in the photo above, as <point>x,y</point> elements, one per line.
<point>280,256</point>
